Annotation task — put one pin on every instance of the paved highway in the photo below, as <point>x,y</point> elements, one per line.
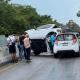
<point>43,68</point>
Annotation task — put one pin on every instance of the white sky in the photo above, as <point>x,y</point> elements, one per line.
<point>61,10</point>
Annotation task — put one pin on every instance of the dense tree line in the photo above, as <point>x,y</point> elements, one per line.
<point>73,26</point>
<point>17,18</point>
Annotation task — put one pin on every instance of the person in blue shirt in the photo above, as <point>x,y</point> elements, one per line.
<point>52,40</point>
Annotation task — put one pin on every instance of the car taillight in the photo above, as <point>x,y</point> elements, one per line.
<point>56,42</point>
<point>74,40</point>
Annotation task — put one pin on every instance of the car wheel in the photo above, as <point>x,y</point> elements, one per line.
<point>36,53</point>
<point>77,54</point>
<point>56,55</point>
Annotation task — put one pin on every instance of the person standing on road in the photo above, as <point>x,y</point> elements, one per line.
<point>52,40</point>
<point>21,45</point>
<point>27,45</point>
<point>11,40</point>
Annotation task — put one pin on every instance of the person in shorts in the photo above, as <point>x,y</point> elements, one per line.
<point>11,40</point>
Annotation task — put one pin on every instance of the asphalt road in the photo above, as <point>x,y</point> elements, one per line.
<point>43,68</point>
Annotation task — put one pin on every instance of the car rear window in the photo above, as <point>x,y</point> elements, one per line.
<point>65,37</point>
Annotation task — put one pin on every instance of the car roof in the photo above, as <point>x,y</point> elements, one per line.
<point>45,26</point>
<point>66,34</point>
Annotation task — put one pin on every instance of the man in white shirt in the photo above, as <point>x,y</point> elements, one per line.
<point>12,48</point>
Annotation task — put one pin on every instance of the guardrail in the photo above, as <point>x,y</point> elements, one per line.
<point>4,54</point>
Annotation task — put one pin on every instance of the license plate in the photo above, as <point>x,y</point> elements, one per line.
<point>65,44</point>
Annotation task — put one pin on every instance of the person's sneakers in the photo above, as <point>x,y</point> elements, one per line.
<point>29,60</point>
<point>11,61</point>
<point>51,52</point>
<point>15,60</point>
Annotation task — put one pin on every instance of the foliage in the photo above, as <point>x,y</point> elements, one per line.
<point>73,26</point>
<point>78,13</point>
<point>18,18</point>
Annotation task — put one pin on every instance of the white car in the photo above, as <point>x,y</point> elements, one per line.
<point>66,42</point>
<point>39,37</point>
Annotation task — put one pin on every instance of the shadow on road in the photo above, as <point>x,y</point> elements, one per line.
<point>69,55</point>
<point>44,55</point>
<point>61,56</point>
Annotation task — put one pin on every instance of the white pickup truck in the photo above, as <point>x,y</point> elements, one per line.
<point>39,37</point>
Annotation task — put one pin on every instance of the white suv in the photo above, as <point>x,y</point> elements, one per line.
<point>39,37</point>
<point>66,42</point>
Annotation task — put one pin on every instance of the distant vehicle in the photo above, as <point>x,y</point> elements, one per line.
<point>39,37</point>
<point>66,42</point>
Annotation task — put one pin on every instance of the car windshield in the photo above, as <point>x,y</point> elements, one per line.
<point>45,26</point>
<point>65,37</point>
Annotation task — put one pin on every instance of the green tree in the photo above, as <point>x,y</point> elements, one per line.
<point>17,18</point>
<point>78,13</point>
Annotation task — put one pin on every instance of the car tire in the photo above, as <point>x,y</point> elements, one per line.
<point>77,54</point>
<point>56,55</point>
<point>36,53</point>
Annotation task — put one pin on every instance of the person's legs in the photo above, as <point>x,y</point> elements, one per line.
<point>25,53</point>
<point>14,53</point>
<point>14,57</point>
<point>21,51</point>
<point>51,48</point>
<point>19,48</point>
<point>10,52</point>
<point>28,50</point>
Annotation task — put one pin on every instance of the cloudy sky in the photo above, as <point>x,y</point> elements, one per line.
<point>61,10</point>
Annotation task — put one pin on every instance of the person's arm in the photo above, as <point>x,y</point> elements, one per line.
<point>24,42</point>
<point>30,40</point>
<point>48,39</point>
<point>8,42</point>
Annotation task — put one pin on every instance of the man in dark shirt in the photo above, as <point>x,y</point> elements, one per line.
<point>21,45</point>
<point>52,40</point>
